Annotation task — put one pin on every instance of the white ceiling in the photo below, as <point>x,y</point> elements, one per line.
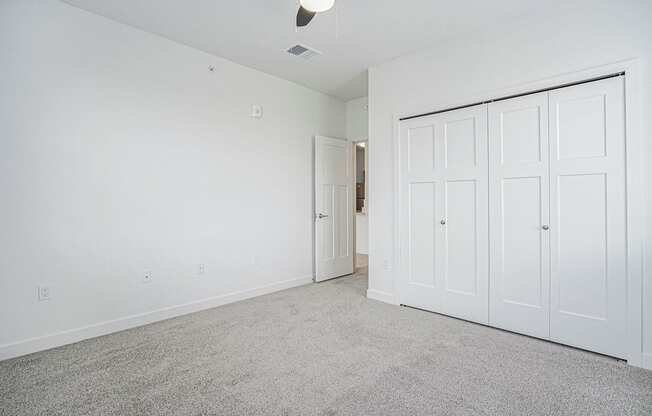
<point>255,33</point>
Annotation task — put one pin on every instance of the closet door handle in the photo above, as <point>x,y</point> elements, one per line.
<point>443,221</point>
<point>545,227</point>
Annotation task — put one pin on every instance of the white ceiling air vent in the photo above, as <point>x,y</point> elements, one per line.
<point>303,51</point>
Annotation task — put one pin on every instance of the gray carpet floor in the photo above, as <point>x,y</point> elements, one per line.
<point>321,349</point>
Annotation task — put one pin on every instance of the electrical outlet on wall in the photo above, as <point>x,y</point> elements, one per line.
<point>201,269</point>
<point>44,293</point>
<point>387,265</point>
<point>147,277</point>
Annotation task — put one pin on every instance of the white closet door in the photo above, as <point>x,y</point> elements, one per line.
<point>464,224</point>
<point>443,205</point>
<point>519,198</point>
<point>587,225</point>
<point>421,167</point>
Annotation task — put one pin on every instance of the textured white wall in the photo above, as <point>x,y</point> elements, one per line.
<point>120,152</point>
<point>580,35</point>
<point>357,119</point>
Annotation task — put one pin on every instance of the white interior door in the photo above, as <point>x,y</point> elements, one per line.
<point>464,223</point>
<point>333,208</point>
<point>421,161</point>
<point>444,221</point>
<point>588,218</point>
<point>519,215</point>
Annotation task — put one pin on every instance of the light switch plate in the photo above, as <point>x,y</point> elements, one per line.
<point>256,111</point>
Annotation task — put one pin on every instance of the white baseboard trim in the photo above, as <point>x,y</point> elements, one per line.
<point>70,336</point>
<point>647,361</point>
<point>381,296</point>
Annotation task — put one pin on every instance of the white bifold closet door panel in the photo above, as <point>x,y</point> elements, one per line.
<point>519,201</point>
<point>444,203</point>
<point>588,216</point>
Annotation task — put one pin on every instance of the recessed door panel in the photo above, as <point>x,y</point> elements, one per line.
<point>326,226</point>
<point>343,218</point>
<point>333,166</point>
<point>461,238</point>
<point>587,227</point>
<point>581,122</point>
<point>582,245</point>
<point>522,275</point>
<point>460,141</point>
<point>518,166</point>
<point>421,148</point>
<point>520,132</point>
<point>422,236</point>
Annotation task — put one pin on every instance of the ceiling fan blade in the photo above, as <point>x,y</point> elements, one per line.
<point>304,16</point>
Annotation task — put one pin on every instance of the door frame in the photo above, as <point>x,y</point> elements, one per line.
<point>354,143</point>
<point>635,198</point>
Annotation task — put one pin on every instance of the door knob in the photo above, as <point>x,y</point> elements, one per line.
<point>545,227</point>
<point>443,221</point>
<point>320,216</point>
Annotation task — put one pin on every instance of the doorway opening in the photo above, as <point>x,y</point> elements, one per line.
<point>361,163</point>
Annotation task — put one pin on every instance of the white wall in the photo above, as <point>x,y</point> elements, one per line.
<point>120,153</point>
<point>357,119</point>
<point>578,36</point>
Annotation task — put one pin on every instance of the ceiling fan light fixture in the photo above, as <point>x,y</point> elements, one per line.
<point>317,5</point>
